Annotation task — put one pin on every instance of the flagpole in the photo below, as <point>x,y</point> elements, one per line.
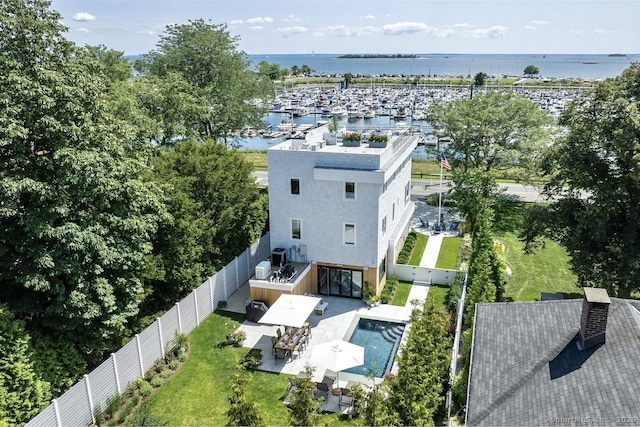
<point>440,194</point>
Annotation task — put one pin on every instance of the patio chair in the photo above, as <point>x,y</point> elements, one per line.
<point>298,348</point>
<point>274,341</point>
<point>282,354</point>
<point>279,332</point>
<point>322,390</point>
<point>292,384</point>
<point>346,397</point>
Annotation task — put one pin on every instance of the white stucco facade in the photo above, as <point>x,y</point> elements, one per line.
<point>327,209</point>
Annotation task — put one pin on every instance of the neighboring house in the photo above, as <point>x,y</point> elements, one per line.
<point>562,362</point>
<point>336,212</point>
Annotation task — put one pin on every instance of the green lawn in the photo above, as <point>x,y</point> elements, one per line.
<point>198,393</point>
<point>547,270</point>
<point>448,256</point>
<point>402,293</point>
<point>438,293</point>
<point>418,249</point>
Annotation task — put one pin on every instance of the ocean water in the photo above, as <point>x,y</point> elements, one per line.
<point>556,65</point>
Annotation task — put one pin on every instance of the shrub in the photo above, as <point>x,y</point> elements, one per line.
<point>173,364</point>
<point>454,292</point>
<point>156,382</point>
<point>113,403</point>
<point>166,373</point>
<point>378,137</point>
<point>182,357</point>
<point>352,136</point>
<point>145,388</point>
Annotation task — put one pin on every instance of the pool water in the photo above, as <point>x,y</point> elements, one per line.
<point>380,340</point>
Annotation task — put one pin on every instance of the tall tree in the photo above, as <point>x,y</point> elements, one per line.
<point>206,56</point>
<point>217,211</point>
<point>416,394</point>
<point>480,79</point>
<point>493,132</point>
<point>75,219</point>
<point>594,183</point>
<point>531,70</point>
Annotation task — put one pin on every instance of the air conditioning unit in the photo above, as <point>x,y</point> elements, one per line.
<point>263,270</point>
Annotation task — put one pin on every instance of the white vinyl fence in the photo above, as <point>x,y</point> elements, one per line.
<point>76,406</point>
<point>423,274</point>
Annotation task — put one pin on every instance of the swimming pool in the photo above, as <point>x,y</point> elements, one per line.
<point>380,339</point>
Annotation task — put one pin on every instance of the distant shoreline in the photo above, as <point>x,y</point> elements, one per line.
<point>376,56</point>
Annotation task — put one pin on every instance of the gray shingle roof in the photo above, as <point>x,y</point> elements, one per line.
<point>527,370</point>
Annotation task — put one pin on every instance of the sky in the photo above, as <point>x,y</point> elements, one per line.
<point>366,26</point>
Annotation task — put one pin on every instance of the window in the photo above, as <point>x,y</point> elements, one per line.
<point>384,225</point>
<point>296,232</point>
<point>295,186</point>
<point>350,190</point>
<point>407,191</point>
<point>393,212</point>
<point>349,234</point>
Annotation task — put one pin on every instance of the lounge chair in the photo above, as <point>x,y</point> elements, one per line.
<point>346,397</point>
<point>322,390</point>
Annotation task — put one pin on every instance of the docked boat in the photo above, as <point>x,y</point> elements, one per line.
<point>285,126</point>
<point>339,111</point>
<point>369,114</point>
<point>355,113</point>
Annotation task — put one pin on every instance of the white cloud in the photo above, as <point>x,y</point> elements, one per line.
<point>318,34</point>
<point>441,32</point>
<point>147,32</point>
<point>348,31</point>
<point>83,17</point>
<point>577,33</point>
<point>291,31</point>
<point>597,31</point>
<point>404,28</point>
<point>257,28</point>
<point>529,27</point>
<point>82,30</point>
<point>462,25</point>
<point>538,22</point>
<point>368,17</point>
<point>236,22</point>
<point>494,32</point>
<point>292,18</point>
<point>259,20</point>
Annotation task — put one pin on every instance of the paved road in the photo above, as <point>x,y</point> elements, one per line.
<point>423,187</point>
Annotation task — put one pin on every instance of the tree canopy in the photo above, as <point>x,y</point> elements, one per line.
<point>594,182</point>
<point>531,71</point>
<point>480,79</point>
<point>494,131</point>
<point>76,221</point>
<point>207,58</point>
<point>217,211</point>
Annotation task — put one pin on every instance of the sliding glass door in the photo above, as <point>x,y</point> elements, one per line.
<point>339,282</point>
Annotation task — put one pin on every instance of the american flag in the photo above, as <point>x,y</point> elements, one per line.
<point>444,162</point>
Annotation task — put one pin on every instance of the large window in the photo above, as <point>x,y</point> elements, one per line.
<point>296,229</point>
<point>295,186</point>
<point>384,225</point>
<point>407,191</point>
<point>350,190</point>
<point>349,234</point>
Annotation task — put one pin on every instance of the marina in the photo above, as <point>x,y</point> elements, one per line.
<point>363,108</point>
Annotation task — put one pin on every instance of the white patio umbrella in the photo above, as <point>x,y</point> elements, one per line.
<point>337,355</point>
<point>290,310</point>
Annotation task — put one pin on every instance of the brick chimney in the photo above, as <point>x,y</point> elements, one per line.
<point>593,324</point>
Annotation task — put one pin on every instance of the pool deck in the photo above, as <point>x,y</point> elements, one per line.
<point>334,324</point>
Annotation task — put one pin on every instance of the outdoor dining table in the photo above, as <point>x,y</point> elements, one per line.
<point>290,339</point>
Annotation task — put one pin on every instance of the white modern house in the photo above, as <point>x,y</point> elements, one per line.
<point>336,211</point>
